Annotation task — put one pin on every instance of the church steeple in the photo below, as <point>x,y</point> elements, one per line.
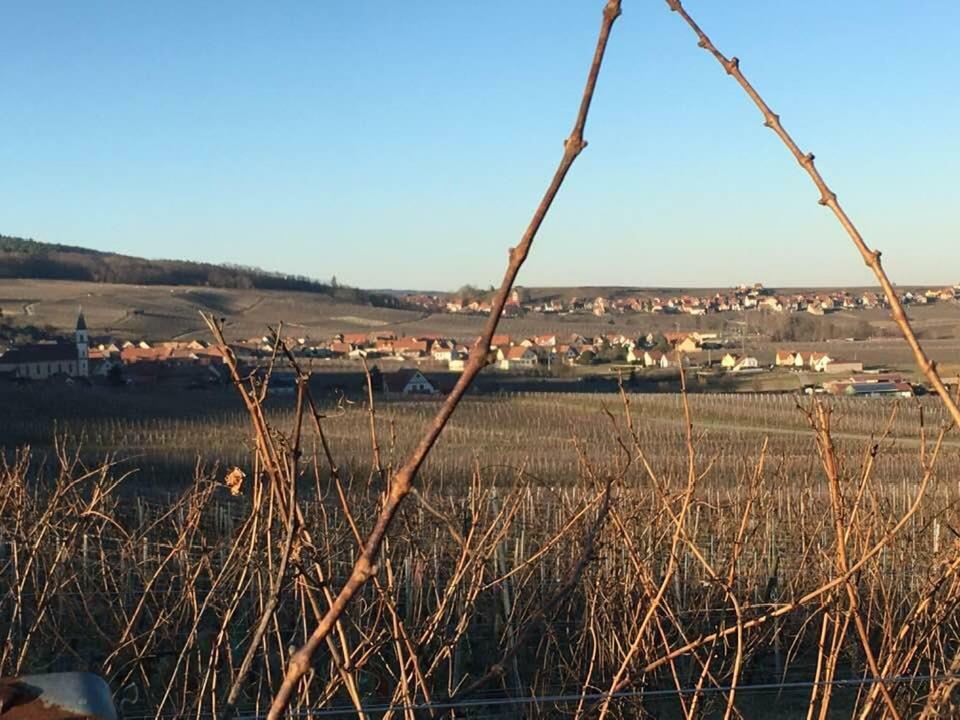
<point>83,346</point>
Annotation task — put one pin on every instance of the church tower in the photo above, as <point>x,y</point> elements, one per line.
<point>83,346</point>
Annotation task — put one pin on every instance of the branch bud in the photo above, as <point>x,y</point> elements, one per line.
<point>807,160</point>
<point>826,197</point>
<point>732,65</point>
<point>674,5</point>
<point>365,570</point>
<point>574,144</point>
<point>771,120</point>
<point>612,10</point>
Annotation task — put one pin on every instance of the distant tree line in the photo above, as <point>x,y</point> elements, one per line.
<point>11,334</point>
<point>26,258</point>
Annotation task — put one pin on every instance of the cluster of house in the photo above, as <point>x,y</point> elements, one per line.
<point>196,361</point>
<point>381,344</point>
<point>740,298</point>
<point>669,350</point>
<point>816,362</point>
<point>511,353</point>
<point>139,362</point>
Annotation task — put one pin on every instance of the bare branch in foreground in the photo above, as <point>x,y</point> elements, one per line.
<point>402,483</point>
<point>829,199</point>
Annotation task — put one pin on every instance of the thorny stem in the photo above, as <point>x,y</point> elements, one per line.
<point>828,198</point>
<point>402,482</point>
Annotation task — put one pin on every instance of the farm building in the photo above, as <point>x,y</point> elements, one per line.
<point>877,389</point>
<point>834,366</point>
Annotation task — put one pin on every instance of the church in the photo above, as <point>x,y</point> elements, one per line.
<point>41,361</point>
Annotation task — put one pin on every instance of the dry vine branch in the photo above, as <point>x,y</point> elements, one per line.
<point>829,199</point>
<point>621,677</point>
<point>280,471</point>
<point>826,587</point>
<point>821,425</point>
<point>402,482</point>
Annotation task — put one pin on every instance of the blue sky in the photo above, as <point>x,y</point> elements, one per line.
<point>405,144</point>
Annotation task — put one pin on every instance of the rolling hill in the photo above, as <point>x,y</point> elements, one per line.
<point>27,259</point>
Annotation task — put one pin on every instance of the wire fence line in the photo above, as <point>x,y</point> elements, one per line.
<point>520,697</point>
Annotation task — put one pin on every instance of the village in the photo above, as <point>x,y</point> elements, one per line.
<point>743,297</point>
<point>423,364</point>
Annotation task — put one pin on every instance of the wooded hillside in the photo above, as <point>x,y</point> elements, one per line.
<point>30,259</point>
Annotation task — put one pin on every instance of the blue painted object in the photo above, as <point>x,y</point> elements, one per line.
<point>56,696</point>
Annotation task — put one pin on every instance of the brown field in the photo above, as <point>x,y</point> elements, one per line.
<point>169,572</point>
<point>161,312</point>
<point>164,433</point>
<point>164,312</point>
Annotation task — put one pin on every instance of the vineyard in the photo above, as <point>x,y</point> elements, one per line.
<point>532,432</point>
<point>526,568</point>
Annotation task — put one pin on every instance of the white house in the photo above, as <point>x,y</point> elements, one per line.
<point>518,357</point>
<point>408,381</point>
<point>746,363</point>
<point>729,360</point>
<point>819,361</point>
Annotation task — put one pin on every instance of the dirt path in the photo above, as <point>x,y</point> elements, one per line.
<point>421,316</point>
<point>252,305</point>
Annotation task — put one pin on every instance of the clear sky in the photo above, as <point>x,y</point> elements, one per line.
<point>405,144</point>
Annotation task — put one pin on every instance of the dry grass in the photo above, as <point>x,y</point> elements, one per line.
<point>170,587</point>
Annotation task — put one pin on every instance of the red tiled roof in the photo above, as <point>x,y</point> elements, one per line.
<point>518,352</point>
<point>412,344</point>
<point>135,354</point>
